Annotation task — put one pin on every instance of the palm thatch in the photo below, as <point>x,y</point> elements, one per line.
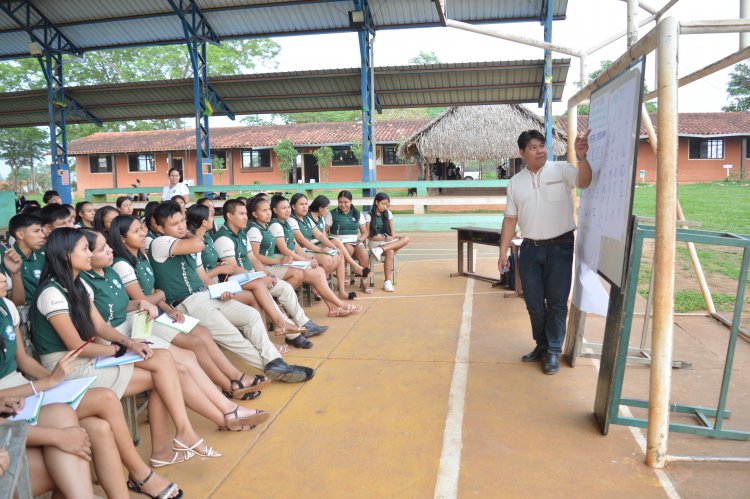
<point>477,132</point>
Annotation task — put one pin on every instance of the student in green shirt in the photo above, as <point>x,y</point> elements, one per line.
<point>54,216</point>
<point>10,266</point>
<point>346,222</point>
<point>63,317</point>
<point>29,238</point>
<point>285,248</point>
<point>382,238</point>
<point>99,414</point>
<point>128,241</point>
<point>85,215</point>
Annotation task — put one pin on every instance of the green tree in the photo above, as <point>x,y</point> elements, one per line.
<point>324,157</point>
<point>23,148</point>
<point>583,109</point>
<point>738,89</point>
<point>286,158</point>
<point>425,58</point>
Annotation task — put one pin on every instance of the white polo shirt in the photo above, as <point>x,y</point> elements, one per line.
<point>169,192</point>
<point>543,201</point>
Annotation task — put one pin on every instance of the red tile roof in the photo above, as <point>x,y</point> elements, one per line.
<point>307,134</point>
<point>693,124</point>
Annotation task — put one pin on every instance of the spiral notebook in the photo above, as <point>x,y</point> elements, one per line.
<point>30,412</point>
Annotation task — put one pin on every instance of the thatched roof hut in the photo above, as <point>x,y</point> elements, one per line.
<point>477,132</point>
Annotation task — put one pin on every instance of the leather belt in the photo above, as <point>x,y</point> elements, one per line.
<point>568,237</point>
<point>181,299</point>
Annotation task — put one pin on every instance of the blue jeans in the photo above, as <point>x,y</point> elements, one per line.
<point>545,276</point>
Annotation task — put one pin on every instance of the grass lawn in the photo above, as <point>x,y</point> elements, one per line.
<point>721,207</point>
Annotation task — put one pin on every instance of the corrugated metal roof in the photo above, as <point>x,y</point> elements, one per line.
<point>508,82</point>
<point>101,24</point>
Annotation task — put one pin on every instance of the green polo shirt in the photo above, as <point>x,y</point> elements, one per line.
<point>143,274</point>
<point>175,275</point>
<point>230,244</point>
<point>288,233</point>
<point>8,323</point>
<point>52,300</point>
<point>31,270</point>
<point>209,257</point>
<point>305,227</point>
<point>320,224</point>
<point>378,220</point>
<point>110,297</point>
<point>262,235</point>
<point>344,224</point>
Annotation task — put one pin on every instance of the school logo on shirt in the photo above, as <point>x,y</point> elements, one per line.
<point>37,273</point>
<point>117,284</point>
<point>10,333</point>
<point>149,271</point>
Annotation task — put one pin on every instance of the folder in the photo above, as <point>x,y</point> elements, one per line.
<point>128,358</point>
<point>184,327</point>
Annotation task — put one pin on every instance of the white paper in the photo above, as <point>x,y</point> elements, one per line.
<point>594,297</point>
<point>218,289</point>
<point>68,391</point>
<point>185,327</point>
<point>128,358</point>
<point>30,411</point>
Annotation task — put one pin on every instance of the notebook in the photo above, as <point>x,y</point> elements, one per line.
<point>218,289</point>
<point>329,251</point>
<point>142,326</point>
<point>246,277</point>
<point>69,392</point>
<point>346,238</point>
<point>128,358</point>
<point>31,407</point>
<point>185,327</point>
<point>297,265</point>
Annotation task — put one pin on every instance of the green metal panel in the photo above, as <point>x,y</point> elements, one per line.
<point>7,208</point>
<point>442,223</point>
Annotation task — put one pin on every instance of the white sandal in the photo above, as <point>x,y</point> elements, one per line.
<point>158,463</point>
<point>210,452</point>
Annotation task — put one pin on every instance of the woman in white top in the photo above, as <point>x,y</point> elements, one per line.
<point>175,187</point>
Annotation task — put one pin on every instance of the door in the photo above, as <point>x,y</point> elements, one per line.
<point>177,163</point>
<point>312,172</point>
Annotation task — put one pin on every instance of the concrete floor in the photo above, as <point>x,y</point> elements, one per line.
<point>371,422</point>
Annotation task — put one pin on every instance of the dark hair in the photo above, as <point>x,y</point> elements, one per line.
<point>230,206</point>
<point>173,169</point>
<point>70,208</point>
<point>319,202</point>
<point>241,199</point>
<point>119,228</point>
<point>196,215</point>
<point>201,201</point>
<point>383,216</point>
<point>121,200</point>
<point>348,195</point>
<point>165,210</point>
<point>21,221</point>
<point>252,205</point>
<point>176,197</point>
<point>53,212</point>
<point>525,138</point>
<point>91,237</point>
<point>275,200</point>
<point>99,217</point>
<point>57,266</point>
<point>49,195</point>
<point>296,198</point>
<point>148,212</point>
<point>79,209</point>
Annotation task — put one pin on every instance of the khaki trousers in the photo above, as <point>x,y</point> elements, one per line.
<point>285,294</point>
<point>235,326</point>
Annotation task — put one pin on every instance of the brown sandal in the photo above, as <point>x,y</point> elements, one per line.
<point>340,312</point>
<point>243,423</point>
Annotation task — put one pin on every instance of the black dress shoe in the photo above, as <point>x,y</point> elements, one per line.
<point>551,365</point>
<point>535,355</point>
<point>299,342</point>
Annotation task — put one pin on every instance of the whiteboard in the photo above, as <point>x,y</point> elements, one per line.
<point>606,206</point>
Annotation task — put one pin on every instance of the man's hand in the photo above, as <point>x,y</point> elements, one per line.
<point>582,144</point>
<point>503,265</point>
<point>12,261</point>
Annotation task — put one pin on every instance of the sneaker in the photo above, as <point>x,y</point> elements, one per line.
<point>388,286</point>
<point>278,370</point>
<point>377,252</point>
<point>313,329</point>
<point>299,341</point>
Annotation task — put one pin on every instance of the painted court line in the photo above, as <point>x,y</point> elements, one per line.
<point>446,486</point>
<point>661,475</point>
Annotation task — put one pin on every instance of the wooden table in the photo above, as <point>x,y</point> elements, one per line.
<point>471,236</point>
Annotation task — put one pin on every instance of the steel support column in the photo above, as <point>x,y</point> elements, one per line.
<point>198,32</point>
<point>547,85</point>
<point>49,44</point>
<point>366,39</point>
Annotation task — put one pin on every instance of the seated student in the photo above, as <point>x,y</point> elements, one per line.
<point>127,240</point>
<point>103,217</point>
<point>84,215</point>
<point>208,203</point>
<point>175,269</point>
<point>10,268</point>
<point>180,201</point>
<point>111,300</point>
<point>346,220</point>
<point>29,240</point>
<point>382,237</point>
<point>124,205</point>
<point>285,247</point>
<point>317,214</point>
<point>99,413</point>
<point>63,317</point>
<point>54,216</point>
<point>51,197</point>
<point>231,249</point>
<point>148,224</point>
<point>310,238</point>
<point>72,213</point>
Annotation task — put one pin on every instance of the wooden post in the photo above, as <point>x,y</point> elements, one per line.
<point>664,253</point>
<point>632,22</point>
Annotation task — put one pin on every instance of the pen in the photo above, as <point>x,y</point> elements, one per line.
<point>84,344</point>
<point>147,342</point>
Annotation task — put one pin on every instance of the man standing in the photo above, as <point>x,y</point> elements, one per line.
<point>540,201</point>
